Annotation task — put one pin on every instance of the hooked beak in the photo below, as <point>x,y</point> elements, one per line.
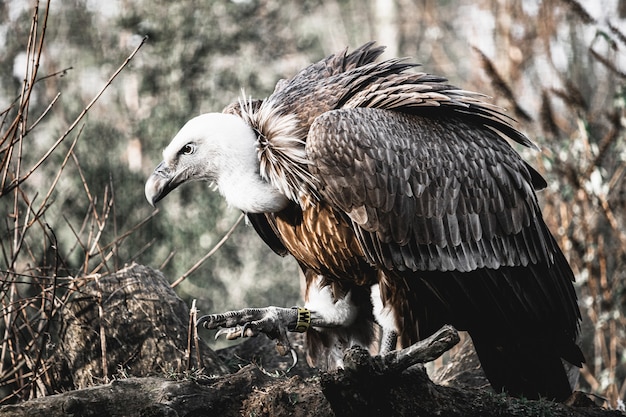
<point>160,183</point>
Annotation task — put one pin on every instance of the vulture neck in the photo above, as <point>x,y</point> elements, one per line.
<point>248,192</point>
<point>239,180</point>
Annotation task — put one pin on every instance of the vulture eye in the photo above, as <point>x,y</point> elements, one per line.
<point>188,149</point>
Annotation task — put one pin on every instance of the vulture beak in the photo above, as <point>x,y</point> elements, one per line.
<point>160,183</point>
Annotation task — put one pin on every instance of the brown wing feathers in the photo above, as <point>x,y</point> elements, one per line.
<point>413,181</point>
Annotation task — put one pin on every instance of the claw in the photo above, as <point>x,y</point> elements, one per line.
<point>204,320</point>
<point>220,332</point>
<point>236,332</point>
<point>244,328</point>
<point>231,333</point>
<point>294,356</point>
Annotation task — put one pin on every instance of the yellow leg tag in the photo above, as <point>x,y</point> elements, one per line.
<point>304,320</point>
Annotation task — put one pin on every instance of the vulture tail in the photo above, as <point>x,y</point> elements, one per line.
<point>529,369</point>
<point>522,320</point>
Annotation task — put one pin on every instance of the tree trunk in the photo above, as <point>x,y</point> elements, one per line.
<point>128,323</point>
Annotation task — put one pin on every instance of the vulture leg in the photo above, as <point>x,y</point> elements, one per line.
<point>275,322</point>
<point>322,311</point>
<point>388,341</point>
<point>385,318</point>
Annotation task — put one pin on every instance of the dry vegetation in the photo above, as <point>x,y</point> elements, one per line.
<point>578,118</point>
<point>35,286</point>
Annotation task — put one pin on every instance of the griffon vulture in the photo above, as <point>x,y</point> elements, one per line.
<point>405,206</point>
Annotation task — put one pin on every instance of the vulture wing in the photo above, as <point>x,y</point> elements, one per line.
<point>447,209</point>
<point>439,194</point>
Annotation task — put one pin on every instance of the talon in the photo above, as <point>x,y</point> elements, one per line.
<point>220,332</point>
<point>244,328</point>
<point>294,356</point>
<point>234,334</point>
<point>204,320</point>
<point>231,333</point>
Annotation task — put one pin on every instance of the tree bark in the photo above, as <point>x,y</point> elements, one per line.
<point>250,391</point>
<point>128,323</point>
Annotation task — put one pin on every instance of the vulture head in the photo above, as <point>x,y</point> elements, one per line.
<point>220,149</point>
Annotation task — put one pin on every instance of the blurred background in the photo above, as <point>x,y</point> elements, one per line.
<point>72,205</point>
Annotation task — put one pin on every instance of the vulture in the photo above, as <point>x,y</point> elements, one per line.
<point>406,208</point>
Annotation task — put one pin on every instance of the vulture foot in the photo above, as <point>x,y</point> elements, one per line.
<point>274,322</point>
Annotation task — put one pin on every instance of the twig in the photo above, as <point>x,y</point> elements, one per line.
<point>132,230</point>
<point>501,85</point>
<point>103,340</point>
<point>48,313</point>
<point>82,114</point>
<point>190,333</point>
<point>167,260</point>
<point>59,73</point>
<point>209,254</point>
<point>45,112</point>
<point>52,187</point>
<point>196,338</point>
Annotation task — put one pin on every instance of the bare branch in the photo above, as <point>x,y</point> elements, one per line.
<point>82,114</point>
<point>210,253</point>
